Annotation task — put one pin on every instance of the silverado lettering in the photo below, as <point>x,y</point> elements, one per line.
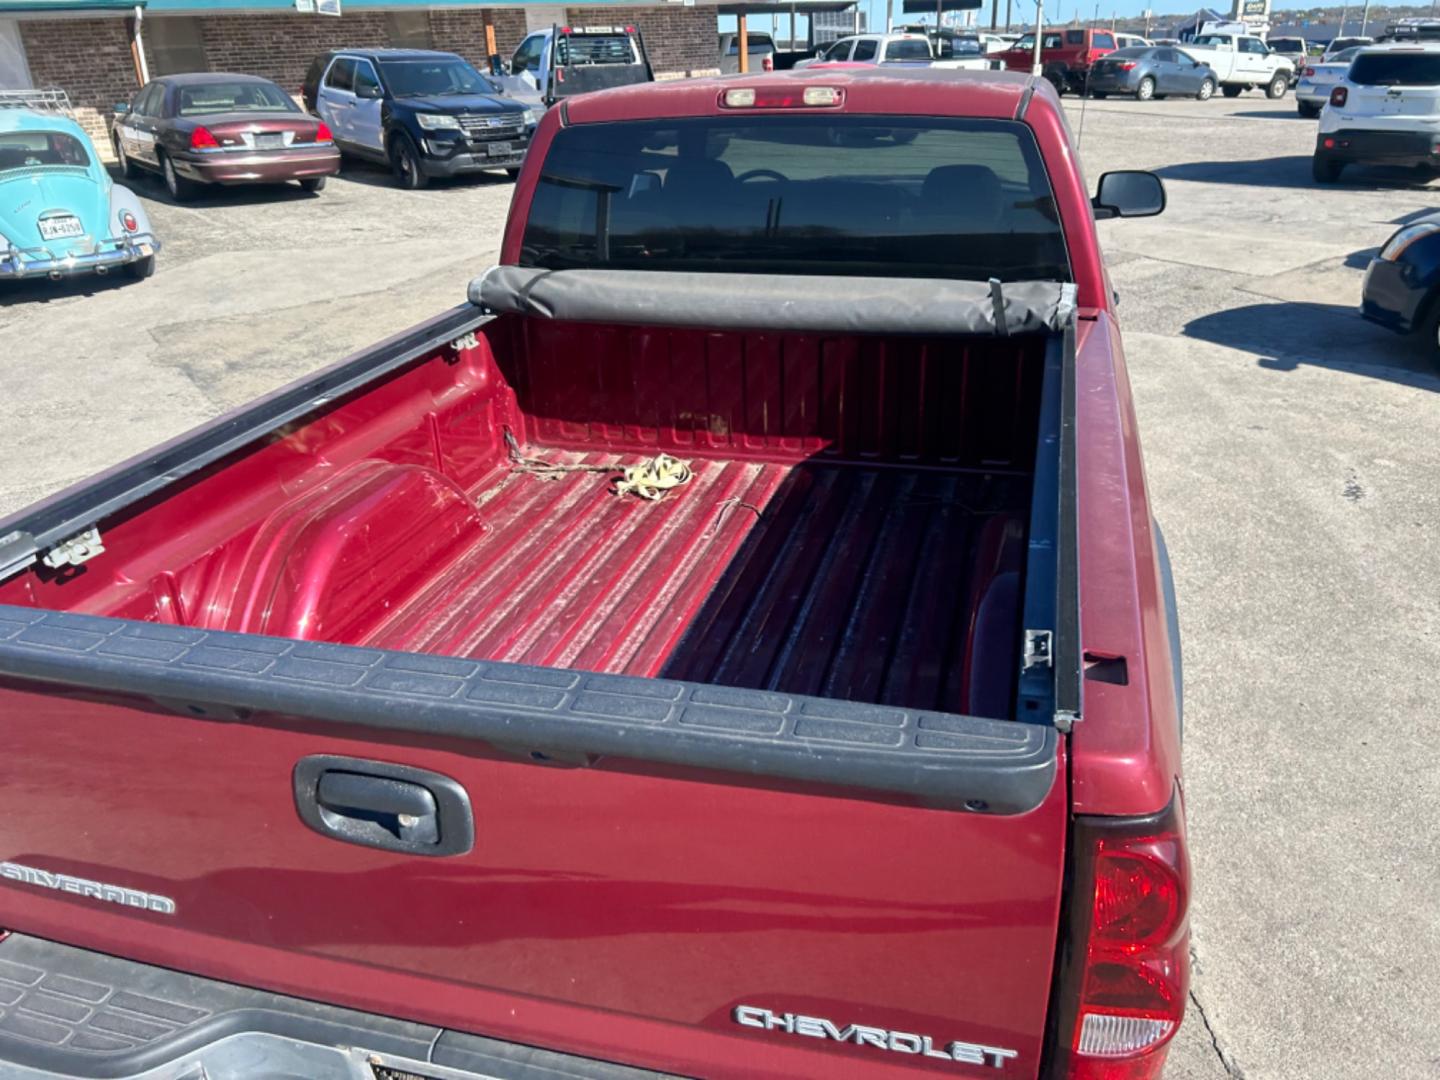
<point>96,890</point>
<point>901,1042</point>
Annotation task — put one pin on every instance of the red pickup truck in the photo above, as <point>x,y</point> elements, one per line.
<point>735,643</point>
<point>1066,55</point>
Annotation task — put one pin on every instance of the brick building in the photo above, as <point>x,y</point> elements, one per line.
<point>95,49</point>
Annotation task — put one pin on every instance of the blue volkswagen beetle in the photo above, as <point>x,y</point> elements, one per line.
<point>60,213</point>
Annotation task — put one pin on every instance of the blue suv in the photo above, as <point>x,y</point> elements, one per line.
<point>425,114</point>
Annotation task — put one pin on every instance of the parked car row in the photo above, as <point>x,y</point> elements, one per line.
<point>1076,60</point>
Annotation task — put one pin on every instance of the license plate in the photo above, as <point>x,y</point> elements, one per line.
<point>270,142</point>
<point>59,228</point>
<point>499,149</point>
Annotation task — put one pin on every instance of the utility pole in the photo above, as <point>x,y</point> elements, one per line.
<point>994,15</point>
<point>1007,14</point>
<point>1343,12</point>
<point>1037,68</point>
<point>889,15</point>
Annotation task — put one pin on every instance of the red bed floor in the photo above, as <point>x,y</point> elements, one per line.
<point>845,581</point>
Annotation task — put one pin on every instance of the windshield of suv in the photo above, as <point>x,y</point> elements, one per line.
<point>851,195</point>
<point>1396,69</point>
<point>35,149</point>
<point>434,78</point>
<point>209,98</point>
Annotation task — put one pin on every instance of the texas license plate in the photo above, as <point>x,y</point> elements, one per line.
<point>269,142</point>
<point>499,149</point>
<point>59,228</point>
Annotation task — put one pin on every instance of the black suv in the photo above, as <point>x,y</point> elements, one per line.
<point>423,113</point>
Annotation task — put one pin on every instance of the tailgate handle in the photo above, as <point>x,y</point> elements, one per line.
<point>404,810</point>
<point>377,804</point>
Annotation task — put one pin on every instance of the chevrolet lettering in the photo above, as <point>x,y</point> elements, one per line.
<point>899,1042</point>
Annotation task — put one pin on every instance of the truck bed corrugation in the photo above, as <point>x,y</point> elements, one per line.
<point>818,560</point>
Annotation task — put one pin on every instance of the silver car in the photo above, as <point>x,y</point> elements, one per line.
<point>1319,78</point>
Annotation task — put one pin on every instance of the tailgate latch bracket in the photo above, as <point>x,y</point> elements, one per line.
<point>80,548</point>
<point>1039,649</point>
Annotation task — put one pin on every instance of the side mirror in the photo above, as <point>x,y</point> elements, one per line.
<point>122,109</point>
<point>1129,194</point>
<point>369,92</point>
<point>517,66</point>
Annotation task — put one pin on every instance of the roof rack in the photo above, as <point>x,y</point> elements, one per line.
<point>1413,28</point>
<point>54,100</point>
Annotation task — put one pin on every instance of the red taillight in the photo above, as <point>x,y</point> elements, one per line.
<point>201,139</point>
<point>768,63</point>
<point>559,74</point>
<point>1309,72</point>
<point>1128,65</point>
<point>1339,96</point>
<point>322,133</point>
<point>566,30</point>
<point>1137,897</point>
<point>1329,144</point>
<point>630,30</point>
<point>1126,960</point>
<point>127,219</point>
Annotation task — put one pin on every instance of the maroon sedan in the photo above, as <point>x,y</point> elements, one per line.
<point>214,128</point>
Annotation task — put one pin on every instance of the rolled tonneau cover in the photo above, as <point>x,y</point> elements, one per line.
<point>859,305</point>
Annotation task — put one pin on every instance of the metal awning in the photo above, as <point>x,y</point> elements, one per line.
<point>29,7</point>
<point>782,7</point>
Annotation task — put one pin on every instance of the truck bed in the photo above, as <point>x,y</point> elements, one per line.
<point>855,501</point>
<point>353,577</point>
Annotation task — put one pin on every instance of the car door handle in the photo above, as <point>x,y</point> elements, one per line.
<point>383,805</point>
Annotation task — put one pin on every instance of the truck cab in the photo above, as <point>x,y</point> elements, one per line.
<point>567,60</point>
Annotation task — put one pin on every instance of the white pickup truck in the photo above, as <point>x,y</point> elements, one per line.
<point>1242,62</point>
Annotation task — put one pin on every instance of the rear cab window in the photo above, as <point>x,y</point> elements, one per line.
<point>909,49</point>
<point>1396,69</point>
<point>850,195</point>
<point>1102,41</point>
<point>864,49</point>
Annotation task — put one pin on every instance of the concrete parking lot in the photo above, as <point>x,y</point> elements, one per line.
<point>1290,449</point>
